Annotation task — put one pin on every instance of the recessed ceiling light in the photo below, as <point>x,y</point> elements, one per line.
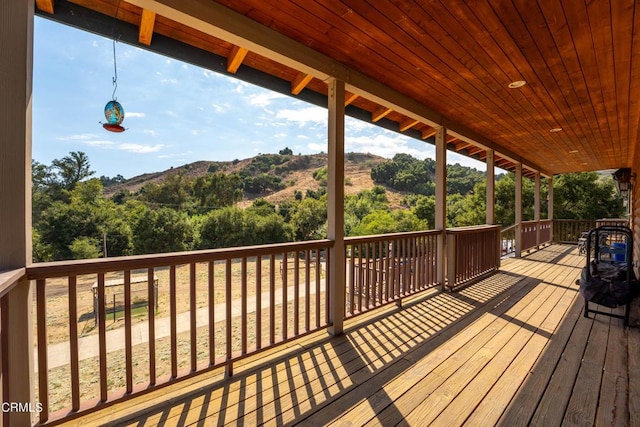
<point>573,151</point>
<point>584,164</point>
<point>516,84</point>
<point>555,130</point>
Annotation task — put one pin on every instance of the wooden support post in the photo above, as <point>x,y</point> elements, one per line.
<point>518,218</point>
<point>491,188</point>
<point>536,207</point>
<point>441,202</point>
<point>16,33</point>
<point>335,205</point>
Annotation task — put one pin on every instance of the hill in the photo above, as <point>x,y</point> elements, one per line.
<point>295,171</point>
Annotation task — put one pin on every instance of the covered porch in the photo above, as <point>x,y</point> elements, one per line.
<point>513,349</point>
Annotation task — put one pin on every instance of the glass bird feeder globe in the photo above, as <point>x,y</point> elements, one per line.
<point>114,113</point>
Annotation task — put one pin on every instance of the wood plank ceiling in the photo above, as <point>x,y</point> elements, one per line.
<point>579,109</point>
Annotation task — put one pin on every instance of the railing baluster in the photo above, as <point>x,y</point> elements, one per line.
<point>285,297</point>
<point>318,290</point>
<point>272,300</point>
<point>173,315</point>
<point>212,316</point>
<point>327,289</point>
<point>73,343</point>
<point>360,283</point>
<point>128,347</point>
<point>243,306</point>
<point>367,278</point>
<point>151,294</point>
<point>193,329</point>
<point>352,279</point>
<point>307,290</point>
<point>43,363</point>
<point>228,320</point>
<point>259,302</point>
<point>296,293</point>
<point>102,338</point>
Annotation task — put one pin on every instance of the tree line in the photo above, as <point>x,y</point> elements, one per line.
<point>73,219</point>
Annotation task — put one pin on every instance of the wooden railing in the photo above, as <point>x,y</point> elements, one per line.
<point>569,230</point>
<point>385,268</point>
<point>508,240</point>
<point>9,281</point>
<point>472,253</point>
<point>546,231</point>
<point>216,306</point>
<point>529,233</point>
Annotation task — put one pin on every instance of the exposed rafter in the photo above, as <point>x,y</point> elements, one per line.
<point>235,58</point>
<point>428,133</point>
<point>147,22</point>
<point>462,145</point>
<point>45,5</point>
<point>407,124</point>
<point>379,113</point>
<point>218,21</point>
<point>349,98</point>
<point>300,82</point>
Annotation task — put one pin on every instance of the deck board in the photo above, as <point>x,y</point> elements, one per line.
<point>513,349</point>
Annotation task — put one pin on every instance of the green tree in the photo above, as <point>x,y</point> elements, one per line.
<point>308,219</point>
<point>85,248</point>
<point>87,214</point>
<point>173,192</point>
<point>162,230</point>
<point>218,189</point>
<point>72,169</point>
<point>585,195</point>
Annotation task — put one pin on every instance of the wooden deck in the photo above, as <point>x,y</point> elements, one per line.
<point>511,350</point>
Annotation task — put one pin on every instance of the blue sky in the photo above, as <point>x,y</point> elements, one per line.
<point>175,113</point>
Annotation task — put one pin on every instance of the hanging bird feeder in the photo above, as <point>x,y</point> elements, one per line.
<point>114,113</point>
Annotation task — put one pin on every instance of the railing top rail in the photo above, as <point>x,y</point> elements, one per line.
<point>472,229</point>
<point>509,228</point>
<point>9,279</point>
<point>390,236</point>
<point>104,265</point>
<point>574,220</point>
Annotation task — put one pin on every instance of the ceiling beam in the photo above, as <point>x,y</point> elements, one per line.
<point>221,22</point>
<point>349,98</point>
<point>300,82</point>
<point>379,113</point>
<point>147,22</point>
<point>235,58</point>
<point>408,124</point>
<point>45,5</point>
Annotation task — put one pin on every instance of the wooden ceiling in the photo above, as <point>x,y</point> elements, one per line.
<point>580,61</point>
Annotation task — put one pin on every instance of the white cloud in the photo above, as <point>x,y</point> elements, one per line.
<point>132,115</point>
<point>78,137</point>
<point>263,99</point>
<point>219,108</point>
<point>100,143</point>
<point>149,132</point>
<point>302,137</point>
<point>140,148</point>
<point>172,81</point>
<point>304,116</point>
<point>280,135</point>
<point>386,145</point>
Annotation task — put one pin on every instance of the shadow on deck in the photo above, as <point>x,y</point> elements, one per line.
<point>510,350</point>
